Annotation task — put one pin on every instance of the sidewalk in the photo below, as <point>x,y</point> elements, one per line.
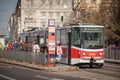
<point>56,68</point>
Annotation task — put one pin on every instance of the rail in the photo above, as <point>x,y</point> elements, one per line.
<point>112,53</point>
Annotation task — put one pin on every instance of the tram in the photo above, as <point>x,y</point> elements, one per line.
<point>81,43</point>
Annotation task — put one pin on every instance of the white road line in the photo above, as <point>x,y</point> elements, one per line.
<point>44,77</point>
<point>56,79</point>
<point>6,77</point>
<point>6,67</point>
<point>48,78</point>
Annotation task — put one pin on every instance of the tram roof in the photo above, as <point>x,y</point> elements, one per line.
<point>84,25</point>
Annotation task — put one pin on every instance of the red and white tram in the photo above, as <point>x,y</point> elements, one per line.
<point>81,44</point>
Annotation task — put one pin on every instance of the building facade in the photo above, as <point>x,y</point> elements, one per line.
<point>35,13</point>
<point>31,14</point>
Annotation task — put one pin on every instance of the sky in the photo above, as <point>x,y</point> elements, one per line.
<point>7,7</point>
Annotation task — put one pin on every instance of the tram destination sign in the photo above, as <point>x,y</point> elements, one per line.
<point>91,29</point>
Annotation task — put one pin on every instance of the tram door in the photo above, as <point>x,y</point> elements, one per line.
<point>69,47</point>
<point>38,39</point>
<point>26,38</point>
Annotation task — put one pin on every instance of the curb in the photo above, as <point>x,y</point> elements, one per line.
<point>62,68</point>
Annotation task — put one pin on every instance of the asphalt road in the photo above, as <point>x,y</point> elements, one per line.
<point>14,72</point>
<point>109,71</point>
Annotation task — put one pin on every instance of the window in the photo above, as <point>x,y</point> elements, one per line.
<point>58,15</point>
<point>76,36</point>
<point>64,37</point>
<point>43,24</point>
<point>65,5</point>
<point>57,3</point>
<point>50,15</point>
<point>30,4</point>
<point>50,4</point>
<point>92,38</point>
<point>43,15</point>
<point>93,1</point>
<point>29,15</point>
<point>42,3</point>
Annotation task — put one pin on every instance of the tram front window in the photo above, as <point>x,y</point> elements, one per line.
<point>92,40</point>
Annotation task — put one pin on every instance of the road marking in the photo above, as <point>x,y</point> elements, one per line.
<point>56,79</point>
<point>6,67</point>
<point>6,77</point>
<point>49,78</point>
<point>44,77</point>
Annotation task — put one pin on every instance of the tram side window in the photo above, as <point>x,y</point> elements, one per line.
<point>26,39</point>
<point>58,36</point>
<point>76,37</point>
<point>63,37</point>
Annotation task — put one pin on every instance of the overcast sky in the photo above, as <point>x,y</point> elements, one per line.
<point>7,7</point>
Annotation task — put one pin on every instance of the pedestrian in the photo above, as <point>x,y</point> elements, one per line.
<point>59,52</point>
<point>16,45</point>
<point>36,48</point>
<point>10,45</point>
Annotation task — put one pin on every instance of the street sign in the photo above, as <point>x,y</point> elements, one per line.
<point>51,36</point>
<point>51,42</point>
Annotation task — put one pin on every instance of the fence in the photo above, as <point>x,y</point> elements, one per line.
<point>36,58</point>
<point>112,53</point>
<point>40,58</point>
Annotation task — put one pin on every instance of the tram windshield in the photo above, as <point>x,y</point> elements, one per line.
<point>92,38</point>
<point>87,37</point>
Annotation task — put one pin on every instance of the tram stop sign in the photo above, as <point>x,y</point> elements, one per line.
<point>51,41</point>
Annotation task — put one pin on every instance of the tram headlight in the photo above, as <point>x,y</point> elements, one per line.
<point>83,53</point>
<point>101,54</point>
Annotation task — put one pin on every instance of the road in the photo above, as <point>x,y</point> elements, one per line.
<point>13,72</point>
<point>109,71</point>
